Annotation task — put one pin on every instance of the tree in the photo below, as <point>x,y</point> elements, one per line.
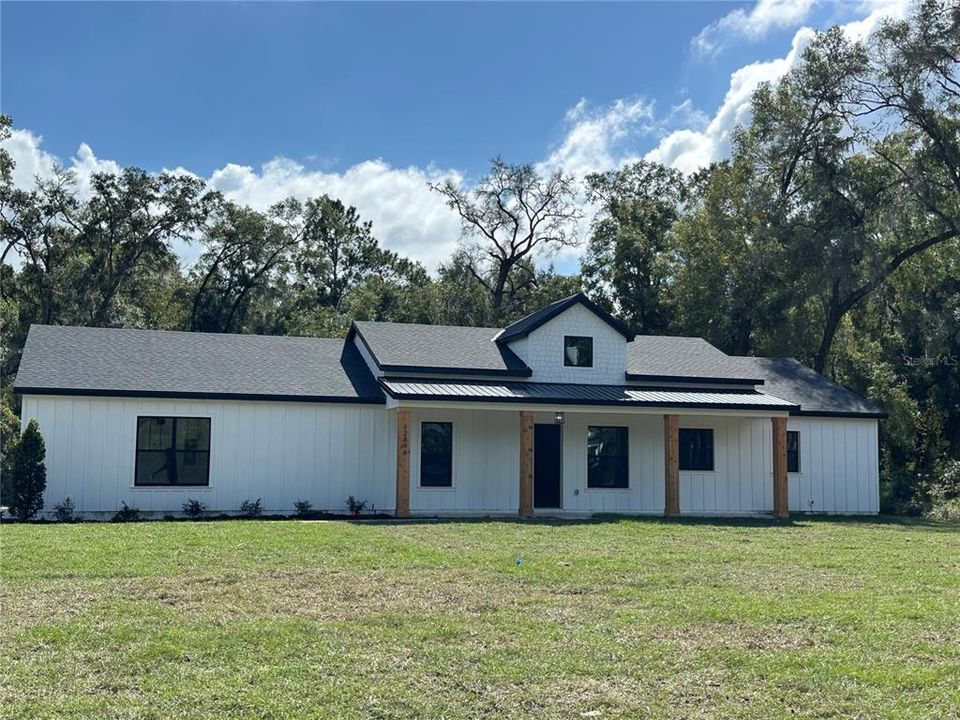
<point>28,474</point>
<point>854,196</point>
<point>245,252</point>
<point>724,275</point>
<point>127,230</point>
<point>6,162</point>
<point>338,250</point>
<point>626,266</point>
<point>510,215</point>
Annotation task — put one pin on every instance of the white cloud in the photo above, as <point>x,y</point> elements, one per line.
<point>31,160</point>
<point>689,150</point>
<point>600,139</point>
<point>407,216</point>
<point>765,16</point>
<point>876,11</point>
<point>411,219</point>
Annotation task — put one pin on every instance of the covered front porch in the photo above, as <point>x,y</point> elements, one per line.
<point>529,459</point>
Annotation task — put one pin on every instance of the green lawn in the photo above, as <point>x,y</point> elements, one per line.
<point>618,618</point>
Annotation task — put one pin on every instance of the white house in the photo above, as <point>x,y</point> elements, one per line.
<point>562,412</point>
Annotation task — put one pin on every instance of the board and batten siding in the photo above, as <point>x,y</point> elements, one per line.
<point>839,469</point>
<point>277,451</point>
<point>282,452</point>
<point>486,463</point>
<point>839,466</point>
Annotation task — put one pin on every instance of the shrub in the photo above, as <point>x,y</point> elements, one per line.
<point>63,510</point>
<point>946,510</point>
<point>193,508</point>
<point>303,507</point>
<point>251,509</point>
<point>356,506</point>
<point>945,493</point>
<point>28,474</point>
<point>126,514</point>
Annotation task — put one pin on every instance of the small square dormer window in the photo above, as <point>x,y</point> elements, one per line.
<point>577,351</point>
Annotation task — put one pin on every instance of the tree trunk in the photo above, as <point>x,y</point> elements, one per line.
<point>835,314</point>
<point>741,340</point>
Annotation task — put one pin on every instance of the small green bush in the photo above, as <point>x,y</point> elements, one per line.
<point>944,493</point>
<point>356,506</point>
<point>251,509</point>
<point>303,507</point>
<point>193,508</point>
<point>28,474</point>
<point>63,510</point>
<point>126,514</point>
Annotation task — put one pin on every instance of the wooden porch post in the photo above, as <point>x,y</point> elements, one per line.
<point>526,463</point>
<point>403,463</point>
<point>780,508</point>
<point>671,455</point>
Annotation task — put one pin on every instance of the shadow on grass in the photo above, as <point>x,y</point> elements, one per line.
<point>760,521</point>
<point>748,521</point>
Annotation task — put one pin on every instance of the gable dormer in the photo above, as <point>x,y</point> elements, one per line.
<point>573,340</point>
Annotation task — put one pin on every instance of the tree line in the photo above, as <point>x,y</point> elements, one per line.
<point>830,234</point>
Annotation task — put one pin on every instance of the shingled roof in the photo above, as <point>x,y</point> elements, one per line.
<point>409,347</point>
<point>684,359</point>
<point>526,325</point>
<point>114,362</point>
<point>815,394</point>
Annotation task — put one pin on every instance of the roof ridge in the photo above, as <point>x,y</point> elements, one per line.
<point>528,323</point>
<point>190,333</point>
<point>434,325</point>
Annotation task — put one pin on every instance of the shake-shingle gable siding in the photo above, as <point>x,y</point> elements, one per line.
<point>542,349</point>
<point>318,419</point>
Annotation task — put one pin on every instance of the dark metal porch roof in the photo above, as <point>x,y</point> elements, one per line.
<point>580,394</point>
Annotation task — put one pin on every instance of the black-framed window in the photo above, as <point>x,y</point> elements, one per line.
<point>436,454</point>
<point>607,453</point>
<point>696,448</point>
<point>793,451</point>
<point>577,351</point>
<point>173,451</point>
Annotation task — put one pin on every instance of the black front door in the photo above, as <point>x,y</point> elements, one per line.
<point>546,466</point>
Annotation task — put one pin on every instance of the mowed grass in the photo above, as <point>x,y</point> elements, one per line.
<point>613,618</point>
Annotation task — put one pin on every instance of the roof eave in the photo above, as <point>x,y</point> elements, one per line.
<point>506,335</point>
<point>642,377</point>
<point>867,415</point>
<point>560,402</point>
<point>189,395</point>
<point>467,372</point>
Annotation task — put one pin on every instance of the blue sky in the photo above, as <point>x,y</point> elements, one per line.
<point>370,101</point>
